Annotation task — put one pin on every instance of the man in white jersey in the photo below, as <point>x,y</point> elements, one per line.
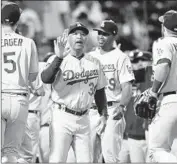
<point>162,130</point>
<point>45,120</point>
<point>29,147</point>
<point>19,68</point>
<point>118,70</point>
<point>76,80</point>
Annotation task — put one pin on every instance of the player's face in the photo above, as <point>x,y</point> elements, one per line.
<point>104,39</point>
<point>77,40</point>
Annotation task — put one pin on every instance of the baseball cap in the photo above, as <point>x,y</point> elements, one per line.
<point>10,13</point>
<point>169,20</point>
<point>78,26</point>
<point>108,26</point>
<point>135,55</point>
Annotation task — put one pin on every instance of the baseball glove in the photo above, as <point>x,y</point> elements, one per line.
<point>145,105</point>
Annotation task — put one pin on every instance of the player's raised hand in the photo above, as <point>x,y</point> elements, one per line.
<point>61,46</point>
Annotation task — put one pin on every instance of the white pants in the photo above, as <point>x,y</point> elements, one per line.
<point>68,130</point>
<point>95,137</point>
<point>133,151</point>
<point>44,144</point>
<point>163,131</point>
<point>44,147</point>
<point>29,147</point>
<point>13,120</point>
<point>111,139</point>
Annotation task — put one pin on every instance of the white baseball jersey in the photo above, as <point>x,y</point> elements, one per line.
<point>117,68</point>
<point>76,83</point>
<point>19,58</point>
<point>167,48</point>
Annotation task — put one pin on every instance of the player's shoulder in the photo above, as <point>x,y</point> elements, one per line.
<point>25,39</point>
<point>120,54</point>
<point>162,42</point>
<point>90,57</point>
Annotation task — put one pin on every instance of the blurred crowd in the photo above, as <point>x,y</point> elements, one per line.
<point>137,20</point>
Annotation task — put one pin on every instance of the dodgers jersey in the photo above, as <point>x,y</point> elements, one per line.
<point>167,48</point>
<point>117,68</point>
<point>76,82</point>
<point>19,58</point>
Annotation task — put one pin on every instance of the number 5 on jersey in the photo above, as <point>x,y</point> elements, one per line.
<point>8,61</point>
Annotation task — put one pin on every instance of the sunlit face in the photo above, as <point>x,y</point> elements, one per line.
<point>104,39</point>
<point>77,40</point>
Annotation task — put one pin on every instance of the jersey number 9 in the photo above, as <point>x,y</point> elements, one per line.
<point>7,55</point>
<point>112,84</point>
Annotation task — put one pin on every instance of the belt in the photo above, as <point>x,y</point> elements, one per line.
<point>21,94</point>
<point>136,137</point>
<point>33,111</point>
<point>169,93</point>
<point>110,103</point>
<point>62,107</point>
<point>45,125</point>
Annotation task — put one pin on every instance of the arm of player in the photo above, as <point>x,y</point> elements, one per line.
<point>48,74</point>
<point>160,75</point>
<point>62,49</point>
<point>101,102</point>
<point>162,62</point>
<point>126,94</point>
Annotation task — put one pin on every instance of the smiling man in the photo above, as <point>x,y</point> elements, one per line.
<point>76,80</point>
<point>117,68</point>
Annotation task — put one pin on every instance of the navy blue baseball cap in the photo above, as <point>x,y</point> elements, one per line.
<point>137,54</point>
<point>108,26</point>
<point>169,20</point>
<point>10,13</point>
<point>78,26</point>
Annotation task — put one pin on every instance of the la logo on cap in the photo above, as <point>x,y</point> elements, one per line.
<point>78,24</point>
<point>103,24</point>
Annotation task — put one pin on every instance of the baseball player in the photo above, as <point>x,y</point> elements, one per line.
<point>45,119</point>
<point>19,67</point>
<point>29,147</point>
<point>76,80</point>
<point>118,70</point>
<point>162,130</point>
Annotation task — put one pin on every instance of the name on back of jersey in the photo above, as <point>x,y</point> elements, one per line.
<point>11,42</point>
